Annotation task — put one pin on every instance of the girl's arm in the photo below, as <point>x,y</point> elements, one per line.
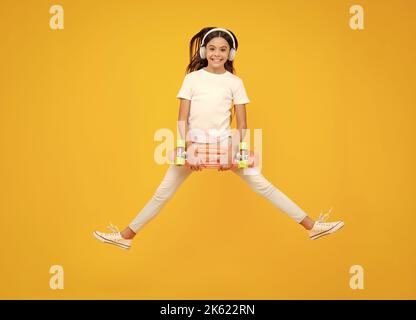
<point>184,108</point>
<point>240,111</point>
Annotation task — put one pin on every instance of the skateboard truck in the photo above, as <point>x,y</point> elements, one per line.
<point>180,153</point>
<point>243,156</point>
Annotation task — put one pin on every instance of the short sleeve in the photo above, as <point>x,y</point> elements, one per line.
<point>185,90</point>
<point>239,94</point>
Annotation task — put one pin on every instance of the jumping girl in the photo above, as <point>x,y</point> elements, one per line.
<point>208,91</point>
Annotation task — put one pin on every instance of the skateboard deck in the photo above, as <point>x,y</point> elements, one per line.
<point>210,157</point>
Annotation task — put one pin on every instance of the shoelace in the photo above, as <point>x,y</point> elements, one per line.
<point>324,217</point>
<point>113,228</point>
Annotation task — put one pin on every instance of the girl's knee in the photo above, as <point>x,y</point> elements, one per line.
<point>163,193</point>
<point>259,184</point>
<point>171,182</point>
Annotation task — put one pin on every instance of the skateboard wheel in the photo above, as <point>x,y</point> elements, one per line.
<point>242,164</point>
<point>180,161</point>
<point>180,143</point>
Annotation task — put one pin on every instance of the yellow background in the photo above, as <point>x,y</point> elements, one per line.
<point>79,109</point>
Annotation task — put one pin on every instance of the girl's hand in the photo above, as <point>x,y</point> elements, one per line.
<point>197,166</point>
<point>228,165</point>
<point>194,164</point>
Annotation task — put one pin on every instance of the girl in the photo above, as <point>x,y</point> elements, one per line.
<point>205,106</point>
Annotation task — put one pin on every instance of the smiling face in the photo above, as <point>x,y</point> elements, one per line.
<point>217,51</point>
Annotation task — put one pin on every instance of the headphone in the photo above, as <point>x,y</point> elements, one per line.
<point>202,52</point>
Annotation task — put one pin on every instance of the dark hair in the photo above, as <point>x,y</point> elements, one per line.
<point>196,62</point>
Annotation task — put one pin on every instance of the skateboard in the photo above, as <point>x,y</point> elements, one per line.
<point>211,155</point>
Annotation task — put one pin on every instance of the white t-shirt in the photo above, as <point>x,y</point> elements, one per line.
<point>211,98</point>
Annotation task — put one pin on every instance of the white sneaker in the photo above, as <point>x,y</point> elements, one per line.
<point>322,228</point>
<point>114,238</point>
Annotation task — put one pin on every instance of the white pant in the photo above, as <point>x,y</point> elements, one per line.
<point>175,175</point>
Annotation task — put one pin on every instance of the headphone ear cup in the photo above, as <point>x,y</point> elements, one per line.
<point>231,56</point>
<point>202,52</point>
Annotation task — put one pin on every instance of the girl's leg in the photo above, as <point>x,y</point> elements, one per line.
<point>259,184</point>
<point>174,177</point>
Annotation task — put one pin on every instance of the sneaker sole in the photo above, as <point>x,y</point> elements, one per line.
<point>102,239</point>
<point>325,233</point>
